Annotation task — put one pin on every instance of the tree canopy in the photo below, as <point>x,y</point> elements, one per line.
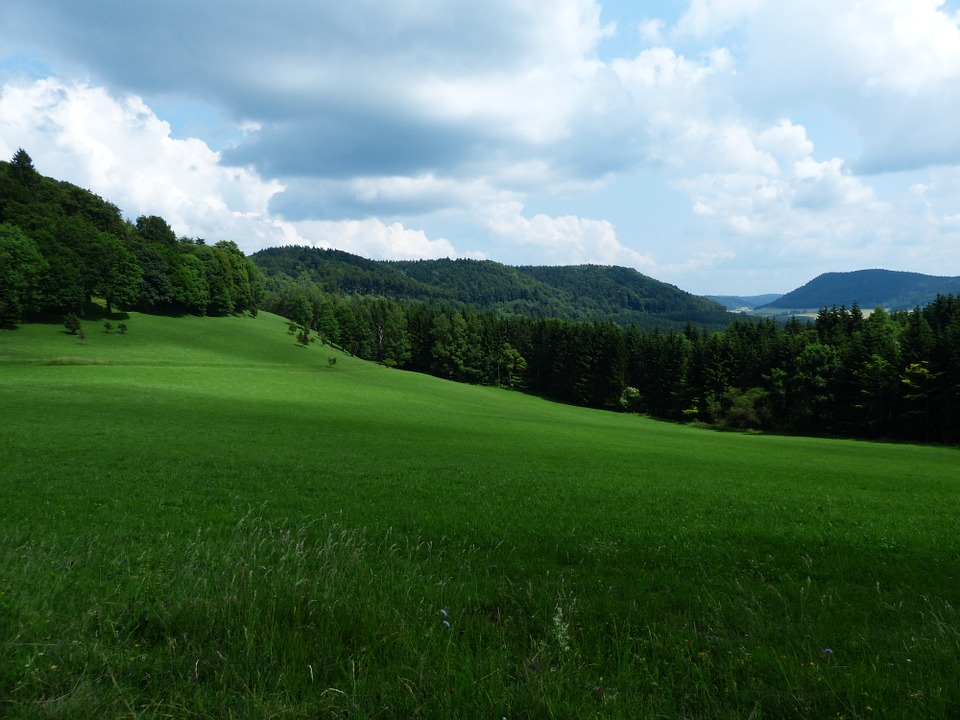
<point>580,292</point>
<point>61,246</point>
<point>846,374</point>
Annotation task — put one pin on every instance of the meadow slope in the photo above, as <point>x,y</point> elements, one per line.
<point>201,519</point>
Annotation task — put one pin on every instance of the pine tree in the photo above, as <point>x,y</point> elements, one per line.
<point>21,168</point>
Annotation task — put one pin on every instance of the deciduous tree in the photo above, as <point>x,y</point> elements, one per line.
<point>21,267</point>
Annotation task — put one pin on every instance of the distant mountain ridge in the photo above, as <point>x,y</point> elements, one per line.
<point>890,289</point>
<point>579,292</point>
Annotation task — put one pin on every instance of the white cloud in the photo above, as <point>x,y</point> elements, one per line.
<point>373,238</point>
<point>889,68</point>
<point>564,240</point>
<point>769,198</point>
<point>121,150</point>
<point>532,106</point>
<point>430,190</point>
<point>118,148</point>
<point>651,31</point>
<point>691,145</point>
<point>565,30</point>
<point>383,118</point>
<point>711,18</point>
<point>931,210</point>
<point>663,67</point>
<point>384,87</point>
<point>535,99</point>
<point>903,46</point>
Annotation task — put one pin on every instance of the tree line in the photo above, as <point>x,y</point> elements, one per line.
<point>844,373</point>
<point>881,375</point>
<point>61,245</point>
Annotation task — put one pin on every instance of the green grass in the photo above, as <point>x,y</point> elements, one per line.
<point>202,519</point>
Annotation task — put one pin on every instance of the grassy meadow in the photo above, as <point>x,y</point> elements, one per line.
<point>200,518</point>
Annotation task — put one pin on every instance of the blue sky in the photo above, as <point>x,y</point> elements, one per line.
<point>724,146</point>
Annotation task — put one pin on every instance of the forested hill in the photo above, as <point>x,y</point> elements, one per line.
<point>582,292</point>
<point>869,289</point>
<point>61,246</point>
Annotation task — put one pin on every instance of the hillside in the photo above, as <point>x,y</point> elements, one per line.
<point>888,289</point>
<point>61,246</point>
<point>201,519</point>
<point>582,292</point>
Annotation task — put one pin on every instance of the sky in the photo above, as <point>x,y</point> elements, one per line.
<point>731,147</point>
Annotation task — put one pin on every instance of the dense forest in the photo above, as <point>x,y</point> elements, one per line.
<point>891,376</point>
<point>877,375</point>
<point>580,292</point>
<point>61,245</point>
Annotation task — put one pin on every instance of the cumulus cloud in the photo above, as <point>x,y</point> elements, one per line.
<point>768,198</point>
<point>364,88</point>
<point>663,67</point>
<point>651,31</point>
<point>411,129</point>
<point>711,18</point>
<point>892,69</point>
<point>930,210</point>
<point>374,239</point>
<point>563,240</point>
<point>903,47</point>
<point>120,149</point>
<point>773,187</point>
<point>91,136</point>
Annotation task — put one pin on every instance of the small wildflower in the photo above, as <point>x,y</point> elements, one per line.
<point>446,623</point>
<point>869,709</point>
<point>443,613</point>
<point>827,651</point>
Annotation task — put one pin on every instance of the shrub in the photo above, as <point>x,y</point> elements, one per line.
<point>303,336</point>
<point>72,323</point>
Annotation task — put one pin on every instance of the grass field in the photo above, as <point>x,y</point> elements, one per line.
<point>201,519</point>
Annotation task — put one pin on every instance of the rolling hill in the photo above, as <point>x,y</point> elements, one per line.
<point>581,292</point>
<point>202,519</point>
<point>888,289</point>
